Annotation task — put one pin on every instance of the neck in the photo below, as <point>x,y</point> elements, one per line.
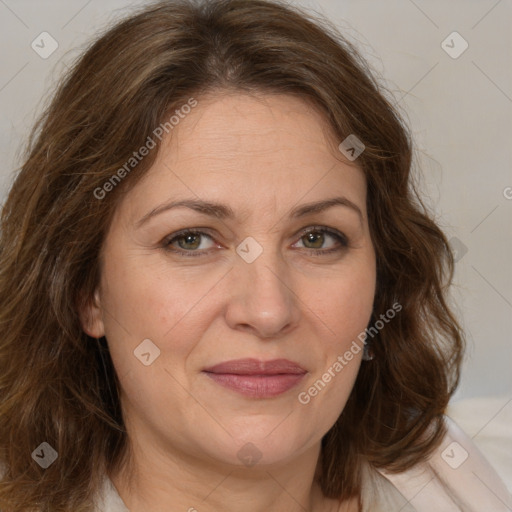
<point>158,481</point>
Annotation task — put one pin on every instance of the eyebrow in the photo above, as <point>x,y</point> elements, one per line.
<point>222,211</point>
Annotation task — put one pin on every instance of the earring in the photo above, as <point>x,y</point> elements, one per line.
<point>368,354</point>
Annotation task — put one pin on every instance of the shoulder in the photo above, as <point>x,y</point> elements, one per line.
<point>456,477</point>
<point>108,499</point>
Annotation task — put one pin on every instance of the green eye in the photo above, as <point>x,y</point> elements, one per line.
<point>193,241</point>
<point>188,243</point>
<point>315,238</point>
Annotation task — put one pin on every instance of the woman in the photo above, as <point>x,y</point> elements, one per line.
<point>219,288</point>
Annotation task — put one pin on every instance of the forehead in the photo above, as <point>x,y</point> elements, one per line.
<point>253,151</point>
<point>255,126</point>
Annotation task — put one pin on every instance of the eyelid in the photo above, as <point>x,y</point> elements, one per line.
<point>195,231</point>
<point>341,237</point>
<point>324,229</point>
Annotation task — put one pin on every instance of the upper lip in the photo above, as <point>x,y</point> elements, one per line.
<point>257,367</point>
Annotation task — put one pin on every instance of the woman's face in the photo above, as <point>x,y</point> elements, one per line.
<point>283,269</point>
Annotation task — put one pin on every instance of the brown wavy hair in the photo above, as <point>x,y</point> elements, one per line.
<point>58,385</point>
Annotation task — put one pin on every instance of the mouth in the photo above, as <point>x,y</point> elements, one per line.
<point>257,379</point>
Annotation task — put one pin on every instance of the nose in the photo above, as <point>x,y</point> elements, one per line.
<point>262,300</point>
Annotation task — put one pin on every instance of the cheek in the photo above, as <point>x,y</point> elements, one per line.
<point>149,300</point>
<point>343,310</point>
<point>345,304</point>
<point>144,300</point>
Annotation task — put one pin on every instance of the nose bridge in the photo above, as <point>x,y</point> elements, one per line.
<point>263,298</point>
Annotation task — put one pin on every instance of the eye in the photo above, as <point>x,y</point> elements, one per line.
<point>314,238</point>
<point>194,242</point>
<point>188,242</point>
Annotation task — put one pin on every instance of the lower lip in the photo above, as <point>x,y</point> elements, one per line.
<point>257,386</point>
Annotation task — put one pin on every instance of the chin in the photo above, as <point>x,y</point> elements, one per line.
<point>257,447</point>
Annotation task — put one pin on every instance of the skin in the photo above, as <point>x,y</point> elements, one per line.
<point>262,155</point>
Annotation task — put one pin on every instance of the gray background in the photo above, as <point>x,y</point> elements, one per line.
<point>459,109</point>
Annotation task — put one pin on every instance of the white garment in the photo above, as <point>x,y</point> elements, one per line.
<point>456,478</point>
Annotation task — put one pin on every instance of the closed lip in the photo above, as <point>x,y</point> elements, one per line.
<point>250,366</point>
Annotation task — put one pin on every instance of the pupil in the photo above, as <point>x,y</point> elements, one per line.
<point>312,237</point>
<point>188,239</point>
<point>316,239</point>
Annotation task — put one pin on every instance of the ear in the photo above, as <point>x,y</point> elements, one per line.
<point>91,316</point>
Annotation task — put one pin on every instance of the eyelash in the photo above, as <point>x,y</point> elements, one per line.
<point>340,237</point>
